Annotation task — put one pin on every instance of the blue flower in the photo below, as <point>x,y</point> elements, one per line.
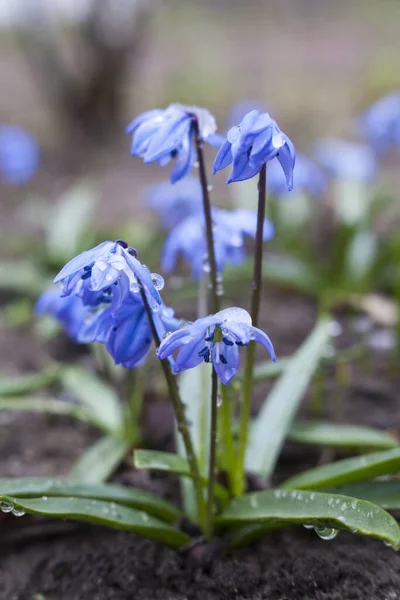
<point>380,123</point>
<point>241,108</point>
<point>215,339</point>
<point>19,155</point>
<point>230,228</point>
<point>345,160</point>
<point>161,135</point>
<point>175,202</point>
<point>68,311</point>
<point>307,177</point>
<point>253,143</point>
<point>109,269</point>
<point>126,332</point>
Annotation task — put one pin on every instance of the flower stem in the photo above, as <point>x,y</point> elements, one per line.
<point>179,408</point>
<point>215,284</point>
<point>213,452</point>
<point>229,448</point>
<point>254,311</point>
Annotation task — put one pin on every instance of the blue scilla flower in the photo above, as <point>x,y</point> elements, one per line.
<point>380,123</point>
<point>230,228</point>
<point>126,332</point>
<point>307,177</point>
<point>175,202</point>
<point>19,155</point>
<point>215,339</point>
<point>253,143</point>
<point>161,135</point>
<point>346,160</point>
<point>69,311</point>
<point>109,269</point>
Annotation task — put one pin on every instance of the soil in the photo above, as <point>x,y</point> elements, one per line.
<point>50,560</point>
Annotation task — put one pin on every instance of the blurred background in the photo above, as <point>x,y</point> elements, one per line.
<point>75,72</point>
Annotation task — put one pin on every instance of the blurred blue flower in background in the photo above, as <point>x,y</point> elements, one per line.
<point>345,160</point>
<point>380,123</point>
<point>68,311</point>
<point>307,178</point>
<point>215,339</point>
<point>161,135</point>
<point>253,143</point>
<point>240,110</point>
<point>19,155</point>
<point>230,228</point>
<point>174,202</point>
<point>96,270</point>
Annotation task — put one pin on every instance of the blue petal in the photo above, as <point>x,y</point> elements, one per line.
<point>224,157</point>
<point>142,274</point>
<point>130,340</point>
<point>82,260</point>
<point>168,138</point>
<point>227,371</point>
<point>145,116</point>
<point>169,253</point>
<point>287,158</point>
<point>184,161</point>
<point>143,136</point>
<point>188,356</point>
<point>262,149</point>
<point>215,139</point>
<point>263,339</point>
<point>172,342</point>
<point>243,170</point>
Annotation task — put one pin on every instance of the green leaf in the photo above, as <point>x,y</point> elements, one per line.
<point>195,391</point>
<point>76,207</point>
<point>32,487</point>
<point>21,276</point>
<point>340,436</point>
<point>384,493</point>
<point>274,420</point>
<point>285,507</point>
<point>96,396</point>
<point>153,460</point>
<point>100,460</point>
<point>268,370</point>
<point>348,470</point>
<point>104,513</point>
<point>44,405</point>
<point>24,384</point>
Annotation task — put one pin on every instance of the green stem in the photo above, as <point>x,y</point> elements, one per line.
<point>213,452</point>
<point>183,425</point>
<point>227,435</point>
<point>214,277</point>
<point>254,311</point>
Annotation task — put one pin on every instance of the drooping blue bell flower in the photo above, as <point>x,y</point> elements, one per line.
<point>215,339</point>
<point>126,332</point>
<point>162,135</point>
<point>380,123</point>
<point>250,145</point>
<point>69,311</point>
<point>346,160</point>
<point>307,178</point>
<point>174,202</point>
<point>230,229</point>
<point>108,269</point>
<point>19,155</point>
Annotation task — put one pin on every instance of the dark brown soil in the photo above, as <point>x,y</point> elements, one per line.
<point>88,563</point>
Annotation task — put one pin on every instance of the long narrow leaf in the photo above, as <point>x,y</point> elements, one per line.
<point>25,384</point>
<point>34,487</point>
<point>312,508</point>
<point>100,512</point>
<point>170,463</point>
<point>384,493</point>
<point>348,470</point>
<point>96,396</point>
<point>275,418</point>
<point>340,436</point>
<point>100,461</point>
<point>44,405</point>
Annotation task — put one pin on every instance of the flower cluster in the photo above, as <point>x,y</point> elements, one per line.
<point>174,202</point>
<point>100,301</point>
<point>346,160</point>
<point>307,178</point>
<point>215,339</point>
<point>162,135</point>
<point>188,238</point>
<point>19,155</point>
<point>380,124</point>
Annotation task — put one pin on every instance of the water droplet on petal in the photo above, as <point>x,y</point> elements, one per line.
<point>326,533</point>
<point>158,281</point>
<point>210,187</point>
<point>219,400</point>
